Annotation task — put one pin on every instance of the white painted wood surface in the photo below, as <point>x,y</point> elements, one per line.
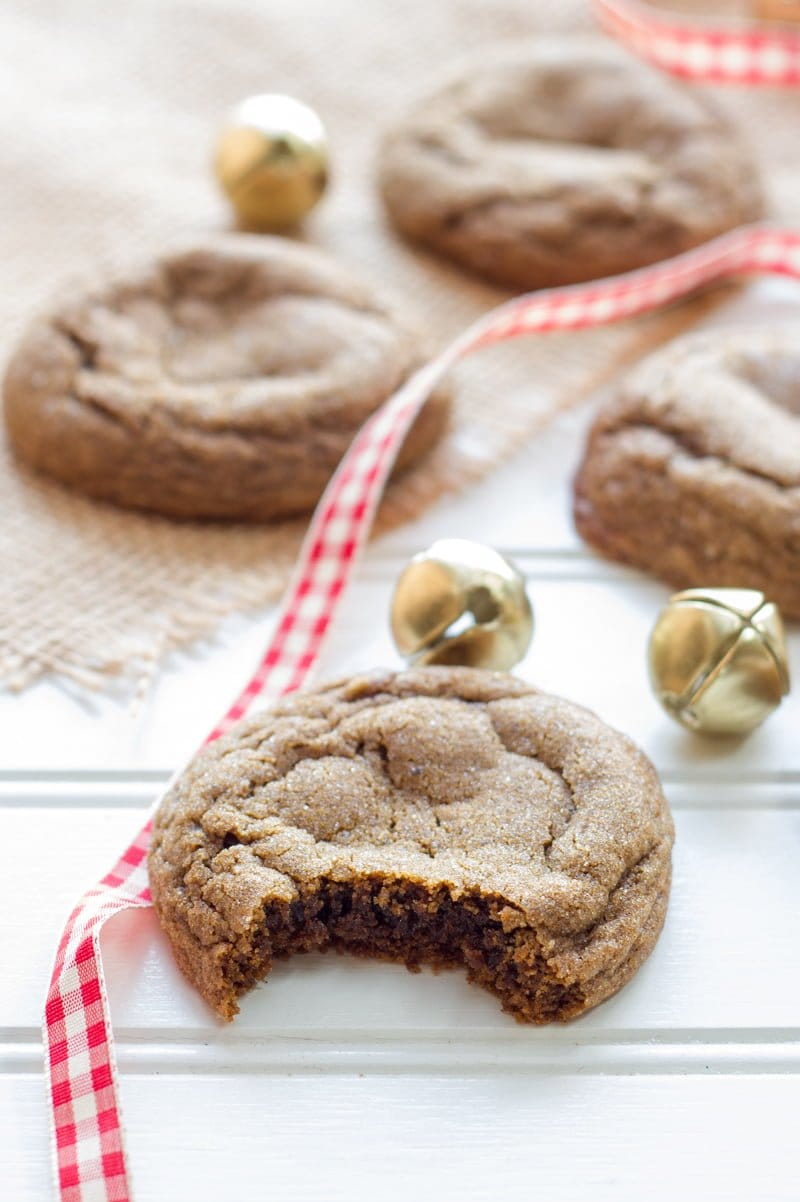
<point>346,1080</point>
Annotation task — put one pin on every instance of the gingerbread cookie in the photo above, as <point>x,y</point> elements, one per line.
<point>221,381</point>
<point>693,470</point>
<point>441,816</point>
<point>560,160</point>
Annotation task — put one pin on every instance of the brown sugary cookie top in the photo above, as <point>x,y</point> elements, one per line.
<point>692,467</point>
<point>223,380</point>
<point>233,331</point>
<point>555,160</point>
<point>459,781</point>
<point>729,395</point>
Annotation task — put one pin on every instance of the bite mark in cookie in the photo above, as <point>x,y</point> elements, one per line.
<point>438,816</point>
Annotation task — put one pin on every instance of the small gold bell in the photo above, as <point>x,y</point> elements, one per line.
<point>461,602</point>
<point>272,161</point>
<point>718,659</point>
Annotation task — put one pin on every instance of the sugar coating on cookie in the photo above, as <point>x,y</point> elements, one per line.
<point>553,161</point>
<point>438,816</point>
<point>692,470</point>
<point>223,380</point>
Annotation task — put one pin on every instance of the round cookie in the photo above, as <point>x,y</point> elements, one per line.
<point>692,471</point>
<point>442,816</point>
<point>559,160</point>
<point>225,380</point>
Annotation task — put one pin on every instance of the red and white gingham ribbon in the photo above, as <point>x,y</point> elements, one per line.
<point>87,1127</point>
<point>81,1072</point>
<point>745,54</point>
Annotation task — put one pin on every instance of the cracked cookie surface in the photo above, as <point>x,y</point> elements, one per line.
<point>224,380</point>
<point>443,816</point>
<point>692,471</point>
<point>560,160</point>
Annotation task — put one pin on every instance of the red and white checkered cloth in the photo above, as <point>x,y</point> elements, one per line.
<point>89,1156</point>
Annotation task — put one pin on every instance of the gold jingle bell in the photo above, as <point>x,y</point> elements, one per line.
<point>718,660</point>
<point>272,161</point>
<point>461,602</point>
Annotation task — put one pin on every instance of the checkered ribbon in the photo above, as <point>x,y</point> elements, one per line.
<point>86,1120</point>
<point>749,55</point>
<point>81,1071</point>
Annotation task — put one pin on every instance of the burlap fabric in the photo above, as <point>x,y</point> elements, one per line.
<point>107,120</point>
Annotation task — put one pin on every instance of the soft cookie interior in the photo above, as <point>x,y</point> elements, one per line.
<point>415,924</point>
<point>437,816</point>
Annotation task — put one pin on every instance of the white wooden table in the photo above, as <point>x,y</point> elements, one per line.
<point>348,1080</point>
